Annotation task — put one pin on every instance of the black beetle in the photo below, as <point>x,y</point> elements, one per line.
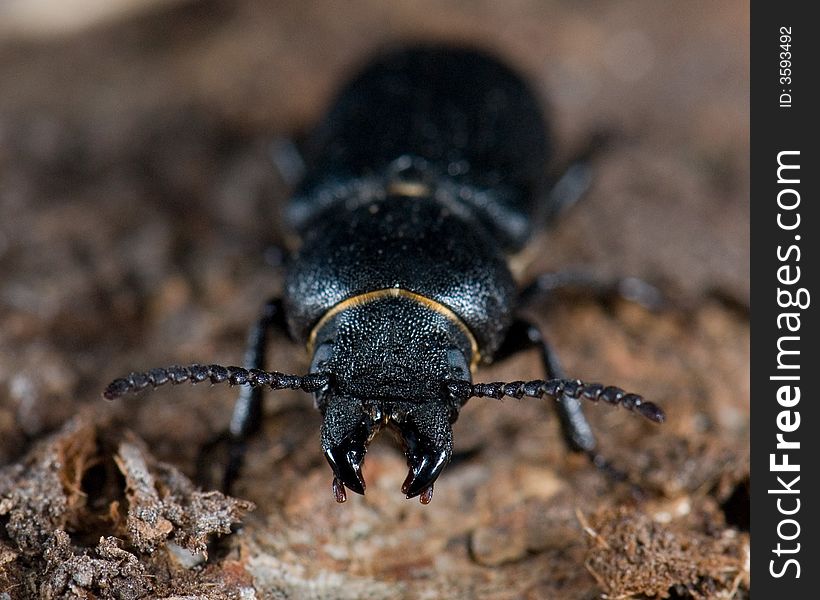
<point>429,169</point>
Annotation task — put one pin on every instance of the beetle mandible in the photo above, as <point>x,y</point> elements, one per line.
<point>427,172</point>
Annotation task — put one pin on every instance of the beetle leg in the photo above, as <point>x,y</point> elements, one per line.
<point>524,335</point>
<point>288,159</point>
<point>568,184</point>
<point>571,180</point>
<point>247,412</point>
<point>585,283</point>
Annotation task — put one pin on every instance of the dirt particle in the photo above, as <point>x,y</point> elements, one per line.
<point>630,553</point>
<point>48,518</point>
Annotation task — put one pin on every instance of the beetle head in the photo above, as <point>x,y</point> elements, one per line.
<point>388,360</point>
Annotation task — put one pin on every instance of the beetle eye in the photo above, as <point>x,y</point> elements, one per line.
<point>457,365</point>
<point>320,357</point>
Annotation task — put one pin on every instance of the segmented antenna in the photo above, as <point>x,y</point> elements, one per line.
<point>556,388</point>
<point>459,389</point>
<point>215,374</point>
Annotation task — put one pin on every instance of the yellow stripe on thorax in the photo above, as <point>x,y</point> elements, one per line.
<point>395,293</point>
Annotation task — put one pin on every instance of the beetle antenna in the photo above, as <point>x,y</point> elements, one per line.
<point>215,374</point>
<point>556,388</point>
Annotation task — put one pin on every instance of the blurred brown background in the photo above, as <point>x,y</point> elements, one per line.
<point>138,204</point>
